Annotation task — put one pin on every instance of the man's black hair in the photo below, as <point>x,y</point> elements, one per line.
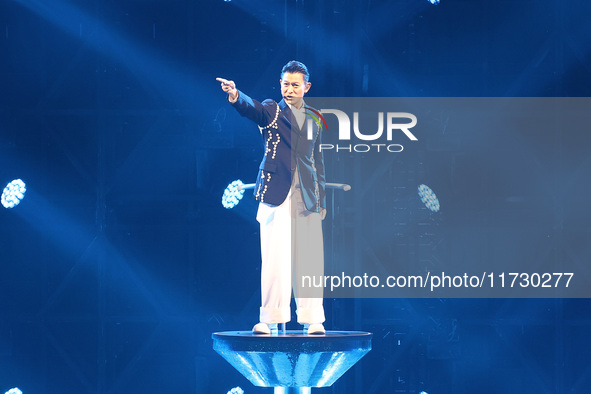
<point>296,67</point>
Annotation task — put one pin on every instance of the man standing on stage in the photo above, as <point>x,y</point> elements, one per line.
<point>290,188</point>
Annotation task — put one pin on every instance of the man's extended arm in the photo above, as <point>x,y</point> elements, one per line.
<point>260,113</point>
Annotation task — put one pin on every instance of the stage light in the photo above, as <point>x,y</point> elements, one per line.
<point>434,2</point>
<point>233,194</point>
<point>236,390</point>
<point>428,198</point>
<point>14,391</point>
<point>13,193</point>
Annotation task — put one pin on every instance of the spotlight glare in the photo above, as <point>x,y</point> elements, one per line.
<point>434,2</point>
<point>236,390</point>
<point>14,391</point>
<point>233,194</point>
<point>13,193</point>
<point>428,198</point>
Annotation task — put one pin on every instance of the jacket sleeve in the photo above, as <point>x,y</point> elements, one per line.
<point>260,113</point>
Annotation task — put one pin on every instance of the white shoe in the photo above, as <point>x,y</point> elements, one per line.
<point>261,328</point>
<point>314,329</point>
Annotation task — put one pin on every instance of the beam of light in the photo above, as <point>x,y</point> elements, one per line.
<point>341,47</point>
<point>434,2</point>
<point>162,298</point>
<point>428,198</point>
<point>14,391</point>
<point>158,72</point>
<point>155,68</point>
<point>13,193</point>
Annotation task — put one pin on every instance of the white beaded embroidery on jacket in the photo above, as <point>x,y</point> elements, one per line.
<point>270,148</point>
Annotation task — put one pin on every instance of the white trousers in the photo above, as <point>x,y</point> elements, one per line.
<point>291,245</point>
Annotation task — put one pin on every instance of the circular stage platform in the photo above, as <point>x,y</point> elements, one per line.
<point>292,359</point>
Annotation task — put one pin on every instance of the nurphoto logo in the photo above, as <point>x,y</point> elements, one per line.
<point>395,124</point>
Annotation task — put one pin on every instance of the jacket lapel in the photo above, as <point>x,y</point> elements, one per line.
<point>289,114</point>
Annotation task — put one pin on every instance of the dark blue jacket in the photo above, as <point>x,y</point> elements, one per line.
<point>285,148</point>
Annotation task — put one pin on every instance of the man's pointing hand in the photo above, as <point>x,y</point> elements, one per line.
<point>229,87</point>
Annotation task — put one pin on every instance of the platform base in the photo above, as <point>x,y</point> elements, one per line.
<point>292,361</point>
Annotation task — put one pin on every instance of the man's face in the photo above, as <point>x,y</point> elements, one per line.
<point>293,88</point>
